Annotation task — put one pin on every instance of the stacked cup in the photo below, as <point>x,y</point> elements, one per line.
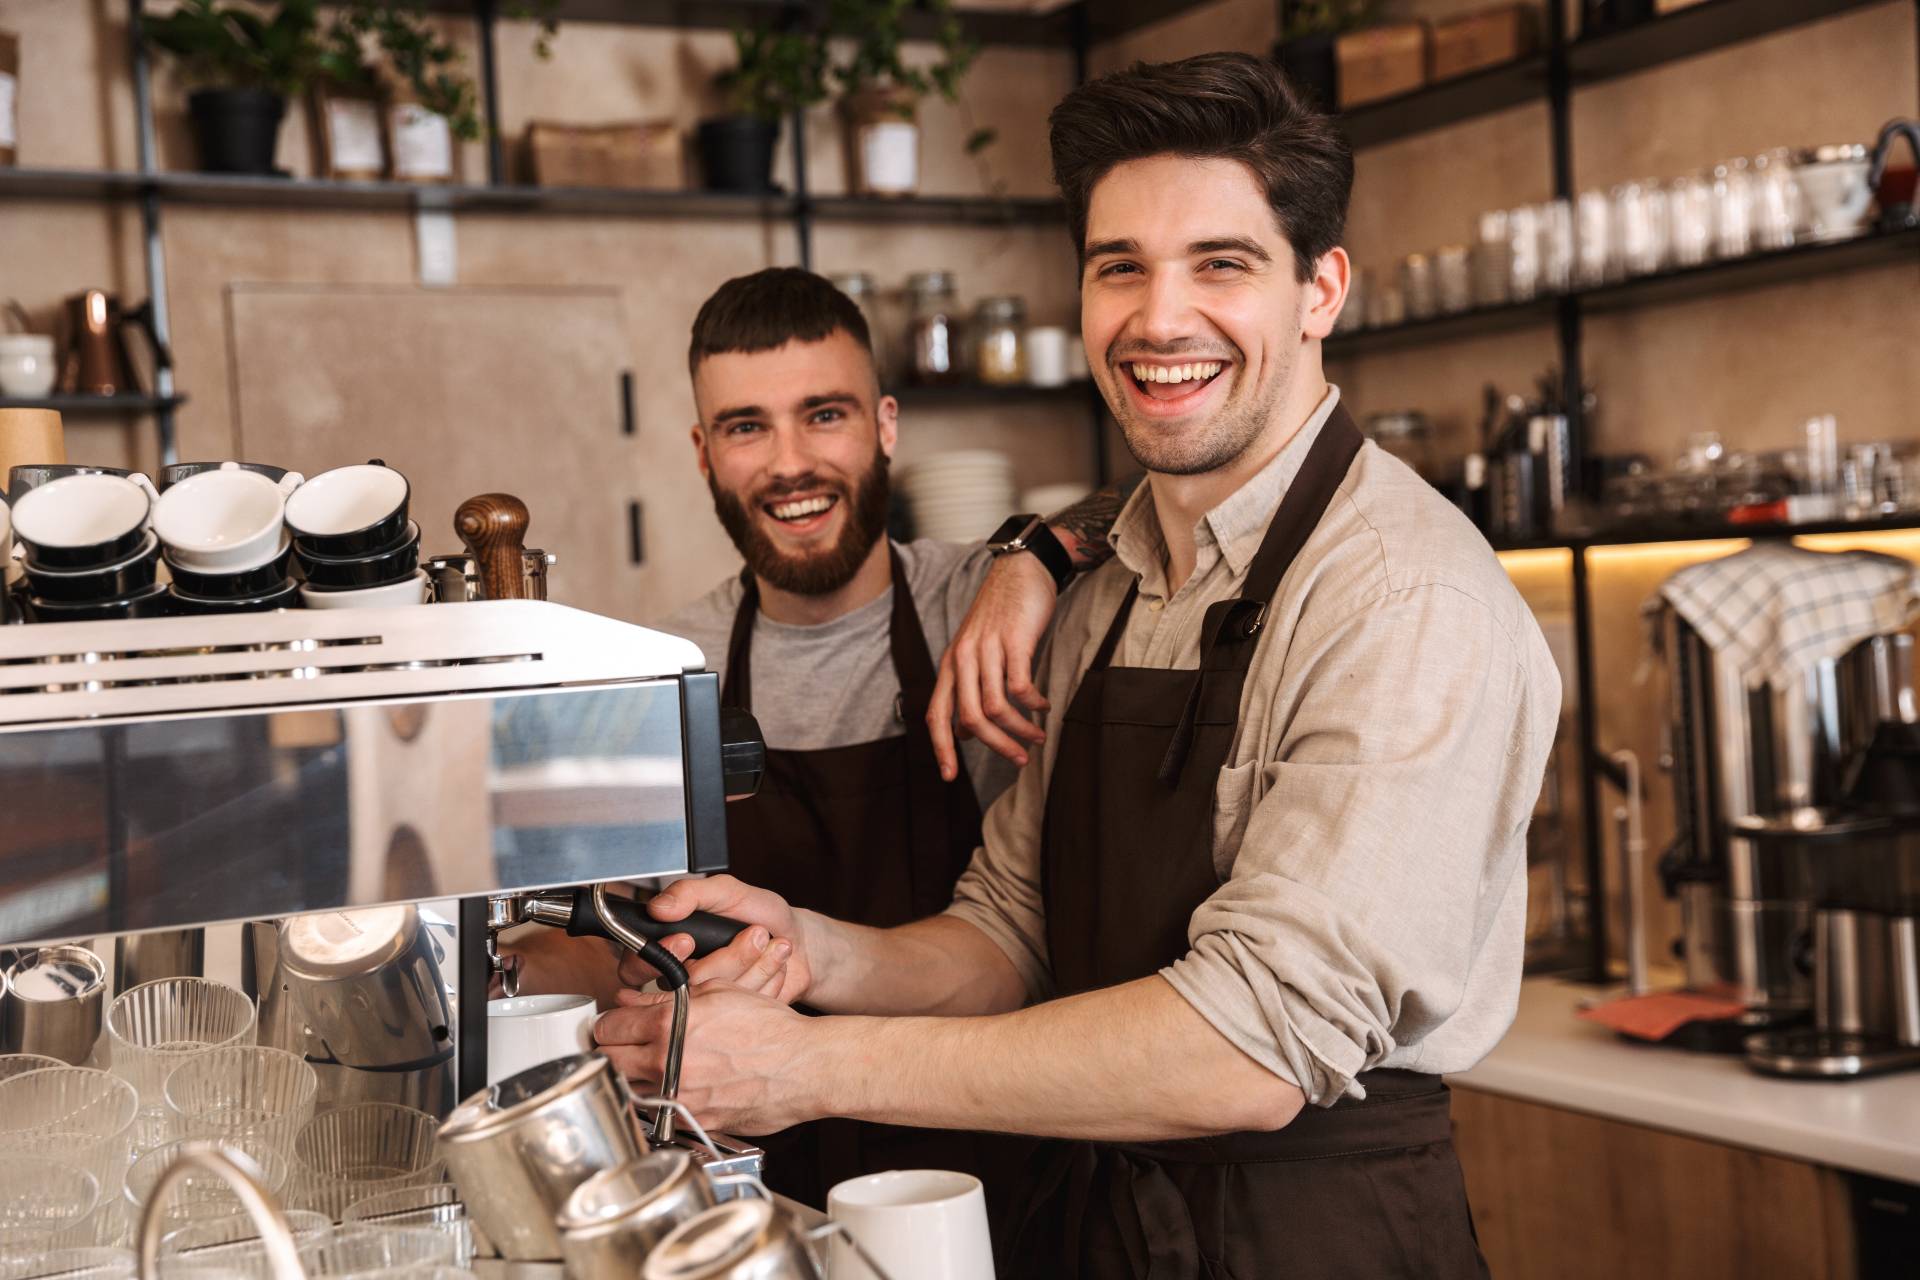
<point>223,529</point>
<point>354,541</point>
<point>89,547</point>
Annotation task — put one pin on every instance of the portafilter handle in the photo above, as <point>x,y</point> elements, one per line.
<point>494,528</point>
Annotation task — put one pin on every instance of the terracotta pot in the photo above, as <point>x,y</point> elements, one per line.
<point>883,141</point>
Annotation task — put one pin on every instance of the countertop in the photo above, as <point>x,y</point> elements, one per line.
<point>1551,1057</point>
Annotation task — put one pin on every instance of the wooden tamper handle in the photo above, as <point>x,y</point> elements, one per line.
<point>494,527</point>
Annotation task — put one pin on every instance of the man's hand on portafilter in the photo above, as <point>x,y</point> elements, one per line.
<point>772,938</point>
<point>743,1050</point>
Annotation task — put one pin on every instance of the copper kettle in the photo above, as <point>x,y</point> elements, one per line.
<point>98,360</point>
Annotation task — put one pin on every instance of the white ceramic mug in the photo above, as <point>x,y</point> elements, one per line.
<point>412,589</point>
<point>525,1031</point>
<point>27,365</point>
<point>224,521</point>
<point>920,1224</point>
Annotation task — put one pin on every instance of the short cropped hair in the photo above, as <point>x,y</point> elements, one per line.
<point>1227,106</point>
<point>769,309</point>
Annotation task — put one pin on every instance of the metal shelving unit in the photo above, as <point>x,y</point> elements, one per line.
<point>85,406</point>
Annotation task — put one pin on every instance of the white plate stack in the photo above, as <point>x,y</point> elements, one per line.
<point>959,497</point>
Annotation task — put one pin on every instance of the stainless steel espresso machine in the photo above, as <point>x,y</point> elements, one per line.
<point>374,792</point>
<point>1796,860</point>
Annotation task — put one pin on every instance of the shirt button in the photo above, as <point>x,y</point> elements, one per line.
<point>1156,606</point>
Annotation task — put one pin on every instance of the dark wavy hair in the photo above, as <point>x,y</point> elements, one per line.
<point>769,309</point>
<point>1227,106</point>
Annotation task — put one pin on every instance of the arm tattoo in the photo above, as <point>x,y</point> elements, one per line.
<point>1083,527</point>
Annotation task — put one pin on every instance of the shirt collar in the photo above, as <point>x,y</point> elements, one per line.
<point>1236,527</point>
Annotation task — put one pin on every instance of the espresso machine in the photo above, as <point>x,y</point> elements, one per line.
<point>1796,858</point>
<point>368,791</point>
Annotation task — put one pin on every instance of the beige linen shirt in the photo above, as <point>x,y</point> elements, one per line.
<point>1369,830</point>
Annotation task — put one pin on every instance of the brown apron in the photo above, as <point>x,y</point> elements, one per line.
<point>1363,1189</point>
<point>872,834</point>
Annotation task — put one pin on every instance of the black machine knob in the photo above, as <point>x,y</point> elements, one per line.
<point>743,752</point>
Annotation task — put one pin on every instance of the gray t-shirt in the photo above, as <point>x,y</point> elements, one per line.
<point>833,685</point>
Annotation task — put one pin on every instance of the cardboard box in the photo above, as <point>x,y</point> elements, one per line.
<point>1489,38</point>
<point>1382,62</point>
<point>641,155</point>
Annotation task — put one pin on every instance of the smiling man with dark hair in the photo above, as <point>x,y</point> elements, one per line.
<point>1265,882</point>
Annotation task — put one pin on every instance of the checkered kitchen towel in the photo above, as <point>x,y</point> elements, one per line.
<point>1775,610</point>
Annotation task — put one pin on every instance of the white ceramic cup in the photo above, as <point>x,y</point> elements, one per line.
<point>525,1031</point>
<point>1047,349</point>
<point>394,595</point>
<point>224,521</point>
<point>84,510</point>
<point>920,1224</point>
<point>27,365</point>
<point>346,499</point>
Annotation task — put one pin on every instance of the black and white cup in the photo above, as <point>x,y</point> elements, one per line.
<point>350,512</point>
<point>83,521</point>
<point>362,572</point>
<point>122,578</point>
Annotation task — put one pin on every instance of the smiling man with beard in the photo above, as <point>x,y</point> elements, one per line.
<point>830,636</point>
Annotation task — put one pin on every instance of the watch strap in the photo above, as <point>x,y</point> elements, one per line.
<point>1030,533</point>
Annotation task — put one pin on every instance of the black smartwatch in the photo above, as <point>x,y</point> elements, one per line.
<point>1030,533</point>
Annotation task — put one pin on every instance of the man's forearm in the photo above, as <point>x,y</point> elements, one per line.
<point>1129,1063</point>
<point>939,967</point>
<point>1083,527</point>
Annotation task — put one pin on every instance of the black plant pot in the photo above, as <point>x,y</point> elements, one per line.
<point>1309,63</point>
<point>237,129</point>
<point>736,153</point>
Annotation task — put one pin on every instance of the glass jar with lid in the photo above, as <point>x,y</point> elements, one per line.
<point>933,337</point>
<point>999,341</point>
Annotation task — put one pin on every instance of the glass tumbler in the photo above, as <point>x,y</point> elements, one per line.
<point>15,1064</point>
<point>435,1208</point>
<point>155,1027</point>
<point>1732,209</point>
<point>200,1195</point>
<point>1591,217</point>
<point>346,1155</point>
<point>45,1204</point>
<point>242,1091</point>
<point>87,1262</point>
<point>1690,220</point>
<point>1775,207</point>
<point>75,1114</point>
<point>368,1252</point>
<point>230,1248</point>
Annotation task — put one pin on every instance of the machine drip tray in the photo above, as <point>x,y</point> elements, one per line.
<point>1808,1054</point>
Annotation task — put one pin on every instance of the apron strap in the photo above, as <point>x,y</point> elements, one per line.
<point>1231,631</point>
<point>736,685</point>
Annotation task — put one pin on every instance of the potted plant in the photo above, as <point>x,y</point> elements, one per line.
<point>775,74</point>
<point>1305,51</point>
<point>247,61</point>
<point>246,67</point>
<point>880,93</point>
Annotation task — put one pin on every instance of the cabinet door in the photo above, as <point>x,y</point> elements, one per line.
<point>1557,1195</point>
<point>467,391</point>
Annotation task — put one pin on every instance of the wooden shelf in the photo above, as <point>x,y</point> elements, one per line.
<point>1697,29</point>
<point>80,406</point>
<point>1717,531</point>
<point>1781,266</point>
<point>1449,102</point>
<point>968,210</point>
<point>979,394</point>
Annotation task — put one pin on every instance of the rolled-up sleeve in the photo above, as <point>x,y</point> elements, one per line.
<point>1354,905</point>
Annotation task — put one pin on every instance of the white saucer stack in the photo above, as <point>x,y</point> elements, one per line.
<point>961,496</point>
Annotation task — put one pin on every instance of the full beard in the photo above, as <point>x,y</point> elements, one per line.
<point>815,573</point>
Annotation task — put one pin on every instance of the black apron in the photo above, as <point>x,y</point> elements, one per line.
<point>872,834</point>
<point>1362,1189</point>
